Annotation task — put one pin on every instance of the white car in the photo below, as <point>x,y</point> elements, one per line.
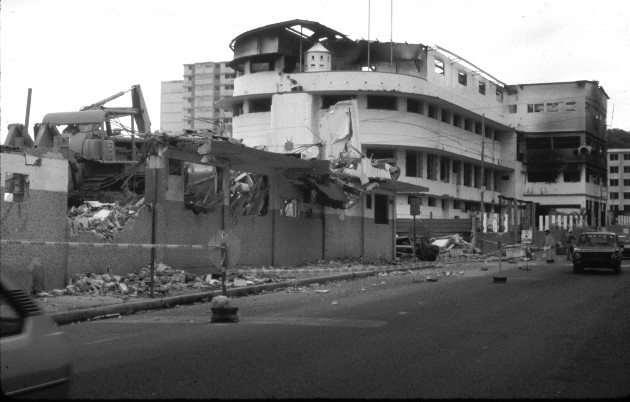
<point>34,357</point>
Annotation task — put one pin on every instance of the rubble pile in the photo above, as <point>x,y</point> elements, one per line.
<point>454,246</point>
<point>102,219</point>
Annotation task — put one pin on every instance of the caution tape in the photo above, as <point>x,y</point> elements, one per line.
<point>103,245</point>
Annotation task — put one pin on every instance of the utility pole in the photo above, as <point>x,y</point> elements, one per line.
<point>483,163</point>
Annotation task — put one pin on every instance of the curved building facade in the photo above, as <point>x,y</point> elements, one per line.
<point>443,122</point>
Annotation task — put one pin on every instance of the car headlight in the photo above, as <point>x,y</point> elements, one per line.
<point>576,256</point>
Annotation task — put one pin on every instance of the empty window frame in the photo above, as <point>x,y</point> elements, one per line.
<point>613,157</point>
<point>535,107</point>
<point>368,201</point>
<point>538,143</point>
<point>468,124</point>
<point>467,174</point>
<point>626,208</point>
<point>499,95</point>
<point>572,176</point>
<point>413,164</point>
<point>570,107</point>
<point>626,182</point>
<point>445,170</point>
<point>614,169</point>
<point>551,107</point>
<point>445,116</point>
<point>414,106</point>
<point>626,169</point>
<point>438,66</point>
<point>614,196</point>
<point>431,167</point>
<point>433,111</point>
<point>381,209</point>
<point>477,177</point>
<point>260,105</point>
<point>572,142</point>
<point>457,172</point>
<point>457,120</point>
<point>431,202</point>
<point>478,127</point>
<point>626,196</point>
<point>379,153</point>
<point>482,88</point>
<point>382,102</point>
<point>16,187</point>
<point>626,157</point>
<point>330,100</point>
<point>462,78</point>
<point>542,177</point>
<point>512,109</point>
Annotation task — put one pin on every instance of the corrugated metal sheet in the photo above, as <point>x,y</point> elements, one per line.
<point>85,117</point>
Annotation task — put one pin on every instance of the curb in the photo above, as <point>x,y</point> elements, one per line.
<point>68,317</point>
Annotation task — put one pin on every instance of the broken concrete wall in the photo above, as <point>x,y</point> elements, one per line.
<point>40,216</point>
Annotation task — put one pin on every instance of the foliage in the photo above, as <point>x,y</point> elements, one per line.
<point>617,138</point>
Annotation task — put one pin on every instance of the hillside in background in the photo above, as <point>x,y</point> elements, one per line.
<point>618,138</point>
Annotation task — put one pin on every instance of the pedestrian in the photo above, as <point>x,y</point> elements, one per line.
<point>570,242</point>
<point>548,247</point>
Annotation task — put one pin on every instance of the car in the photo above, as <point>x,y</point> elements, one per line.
<point>425,251</point>
<point>597,250</point>
<point>625,240</point>
<point>34,355</point>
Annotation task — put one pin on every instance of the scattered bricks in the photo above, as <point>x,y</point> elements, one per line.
<point>106,277</point>
<point>58,292</point>
<point>84,287</point>
<point>97,283</point>
<point>116,278</point>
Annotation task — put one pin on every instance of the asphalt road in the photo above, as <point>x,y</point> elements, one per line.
<point>546,333</point>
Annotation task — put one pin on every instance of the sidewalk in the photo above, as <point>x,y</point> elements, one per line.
<point>74,308</point>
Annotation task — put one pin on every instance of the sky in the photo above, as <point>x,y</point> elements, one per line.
<point>72,53</point>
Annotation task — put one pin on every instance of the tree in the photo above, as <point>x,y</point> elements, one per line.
<point>617,138</point>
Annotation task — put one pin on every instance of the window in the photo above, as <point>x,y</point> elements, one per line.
<point>626,169</point>
<point>613,157</point>
<point>289,208</point>
<point>16,187</point>
<point>614,182</point>
<point>482,88</point>
<point>541,177</point>
<point>457,120</point>
<point>626,157</point>
<point>614,196</point>
<point>626,208</point>
<point>381,209</point>
<point>414,106</point>
<point>468,125</point>
<point>368,201</point>
<point>413,164</point>
<point>566,142</point>
<point>376,153</point>
<point>512,108</point>
<point>571,107</point>
<point>330,100</point>
<point>626,196</point>
<point>535,107</point>
<point>381,102</point>
<point>432,111</point>
<point>260,105</point>
<point>552,107</point>
<point>572,176</point>
<point>614,169</point>
<point>237,109</point>
<point>626,182</point>
<point>261,67</point>
<point>446,116</point>
<point>499,95</point>
<point>457,167</point>
<point>445,170</point>
<point>431,167</point>
<point>439,67</point>
<point>462,78</point>
<point>431,202</point>
<point>467,174</point>
<point>477,128</point>
<point>477,176</point>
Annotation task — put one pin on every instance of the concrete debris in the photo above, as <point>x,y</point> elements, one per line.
<point>335,302</point>
<point>104,220</point>
<point>322,291</point>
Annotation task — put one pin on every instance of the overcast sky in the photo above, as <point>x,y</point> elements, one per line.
<point>75,52</point>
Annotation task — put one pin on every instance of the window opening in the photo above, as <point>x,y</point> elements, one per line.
<point>482,88</point>
<point>439,67</point>
<point>16,187</point>
<point>462,78</point>
<point>289,208</point>
<point>414,106</point>
<point>381,209</point>
<point>381,102</point>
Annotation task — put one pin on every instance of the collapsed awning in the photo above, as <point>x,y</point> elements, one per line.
<point>330,190</point>
<point>399,187</point>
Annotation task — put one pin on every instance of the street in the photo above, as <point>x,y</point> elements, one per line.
<point>546,333</point>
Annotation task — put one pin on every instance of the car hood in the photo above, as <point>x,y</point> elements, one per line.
<point>602,249</point>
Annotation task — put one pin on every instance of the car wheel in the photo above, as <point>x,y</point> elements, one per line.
<point>577,269</point>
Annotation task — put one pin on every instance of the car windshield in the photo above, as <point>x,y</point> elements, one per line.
<point>597,240</point>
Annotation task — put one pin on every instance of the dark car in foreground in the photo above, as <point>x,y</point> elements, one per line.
<point>34,356</point>
<point>597,250</point>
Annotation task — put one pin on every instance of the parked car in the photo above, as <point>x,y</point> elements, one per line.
<point>597,250</point>
<point>34,356</point>
<point>625,241</point>
<point>424,250</point>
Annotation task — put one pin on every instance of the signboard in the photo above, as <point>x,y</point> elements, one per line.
<point>526,236</point>
<point>414,205</point>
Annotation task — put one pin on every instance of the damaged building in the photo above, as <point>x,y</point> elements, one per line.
<point>441,122</point>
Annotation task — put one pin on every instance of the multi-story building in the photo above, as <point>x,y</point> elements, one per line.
<point>619,185</point>
<point>189,103</point>
<point>445,123</point>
